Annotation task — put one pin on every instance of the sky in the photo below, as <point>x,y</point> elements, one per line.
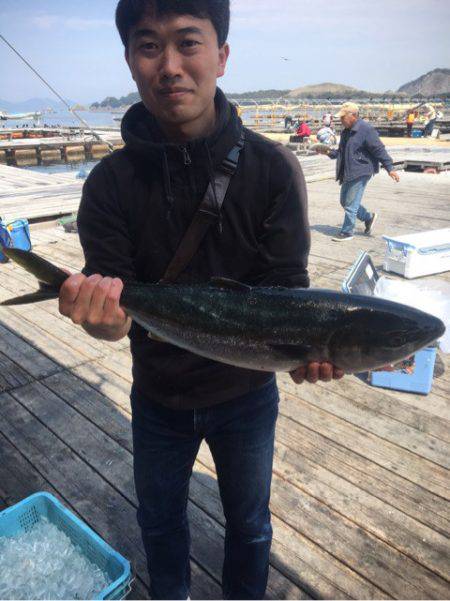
<point>375,46</point>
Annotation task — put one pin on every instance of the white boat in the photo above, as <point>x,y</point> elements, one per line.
<point>19,116</point>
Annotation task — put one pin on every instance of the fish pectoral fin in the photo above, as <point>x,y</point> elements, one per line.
<point>155,337</point>
<point>230,284</point>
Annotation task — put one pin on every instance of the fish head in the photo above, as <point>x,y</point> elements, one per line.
<point>374,337</point>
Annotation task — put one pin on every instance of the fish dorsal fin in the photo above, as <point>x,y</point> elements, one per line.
<point>229,284</point>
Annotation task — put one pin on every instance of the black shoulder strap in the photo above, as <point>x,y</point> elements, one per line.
<point>207,213</point>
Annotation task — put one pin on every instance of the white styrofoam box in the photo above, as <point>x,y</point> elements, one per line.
<point>415,255</point>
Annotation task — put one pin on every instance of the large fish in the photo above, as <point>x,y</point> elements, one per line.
<point>269,329</point>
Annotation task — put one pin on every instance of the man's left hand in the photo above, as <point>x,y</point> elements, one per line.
<point>395,176</point>
<point>314,372</point>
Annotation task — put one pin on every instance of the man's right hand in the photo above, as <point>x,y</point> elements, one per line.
<point>93,302</point>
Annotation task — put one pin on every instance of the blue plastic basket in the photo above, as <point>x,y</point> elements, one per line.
<point>14,234</point>
<point>24,515</point>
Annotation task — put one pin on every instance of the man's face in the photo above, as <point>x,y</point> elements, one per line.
<point>349,119</point>
<point>175,62</point>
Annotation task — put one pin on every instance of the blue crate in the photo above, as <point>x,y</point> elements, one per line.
<point>14,234</point>
<point>416,133</point>
<point>19,230</point>
<point>24,515</point>
<point>419,381</point>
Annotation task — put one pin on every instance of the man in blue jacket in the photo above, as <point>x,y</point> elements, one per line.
<point>358,157</point>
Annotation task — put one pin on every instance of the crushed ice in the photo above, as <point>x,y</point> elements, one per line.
<point>43,563</point>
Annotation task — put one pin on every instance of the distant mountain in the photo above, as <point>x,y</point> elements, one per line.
<point>114,103</point>
<point>260,94</point>
<point>329,90</point>
<point>433,83</point>
<point>33,104</point>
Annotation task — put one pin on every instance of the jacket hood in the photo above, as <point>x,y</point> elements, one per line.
<point>142,134</point>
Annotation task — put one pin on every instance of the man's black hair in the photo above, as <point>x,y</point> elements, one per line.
<point>130,12</point>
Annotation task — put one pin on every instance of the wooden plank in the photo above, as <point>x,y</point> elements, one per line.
<point>18,477</point>
<point>309,566</point>
<point>63,256</point>
<point>434,403</point>
<point>371,420</point>
<point>437,518</point>
<point>116,388</point>
<point>17,282</point>
<point>114,518</point>
<point>409,498</point>
<point>375,400</point>
<point>114,419</point>
<point>46,342</point>
<point>114,463</point>
<point>11,374</point>
<point>73,336</point>
<point>377,562</point>
<point>39,197</point>
<point>419,542</point>
<point>97,409</point>
<point>386,454</point>
<point>33,361</point>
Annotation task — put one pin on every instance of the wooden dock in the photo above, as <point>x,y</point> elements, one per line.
<point>361,475</point>
<point>68,145</point>
<point>36,196</point>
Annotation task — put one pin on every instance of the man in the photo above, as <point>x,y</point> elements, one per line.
<point>327,120</point>
<point>326,135</point>
<point>431,117</point>
<point>303,131</point>
<point>288,121</point>
<point>410,118</point>
<point>358,157</point>
<point>136,207</point>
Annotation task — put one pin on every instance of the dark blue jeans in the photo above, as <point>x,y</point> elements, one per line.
<point>240,434</point>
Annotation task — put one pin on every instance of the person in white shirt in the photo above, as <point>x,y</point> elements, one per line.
<point>326,135</point>
<point>431,120</point>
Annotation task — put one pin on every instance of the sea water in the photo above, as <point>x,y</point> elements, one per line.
<point>43,563</point>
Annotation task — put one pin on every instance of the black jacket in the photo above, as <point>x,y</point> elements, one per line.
<point>138,202</point>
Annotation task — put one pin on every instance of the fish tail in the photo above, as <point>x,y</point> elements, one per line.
<point>50,277</point>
